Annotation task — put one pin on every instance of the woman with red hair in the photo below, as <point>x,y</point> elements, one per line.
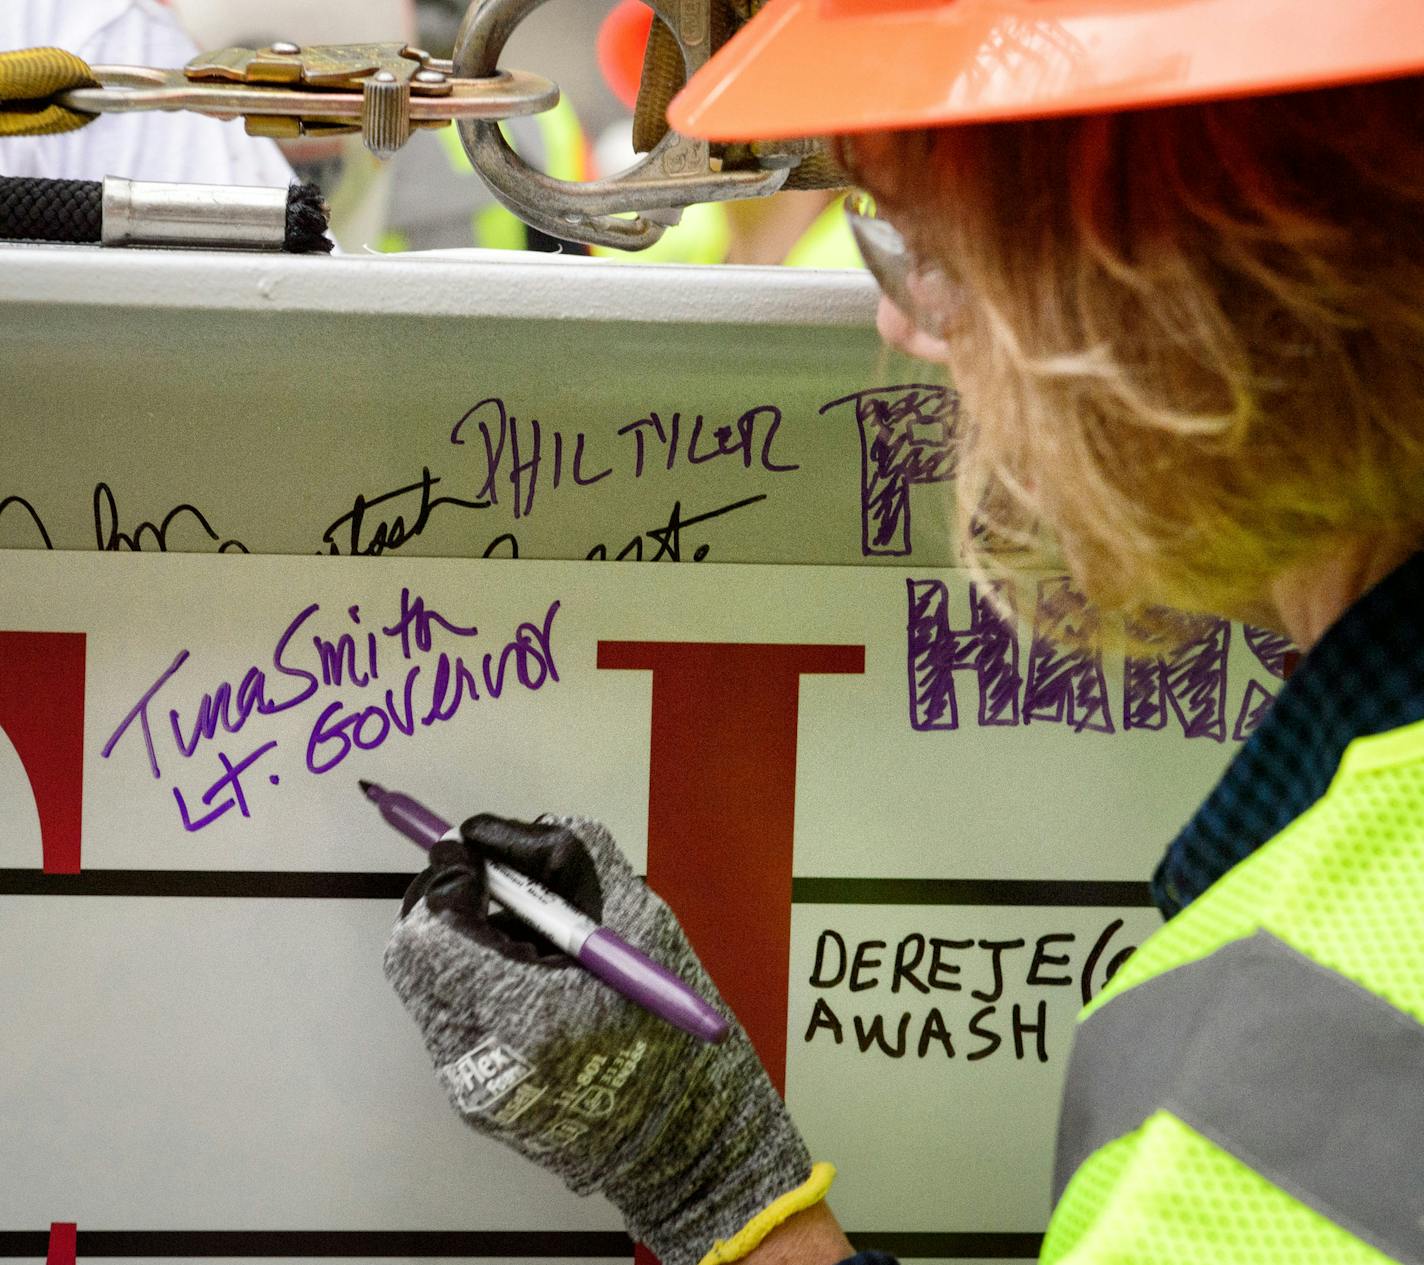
<point>1173,254</point>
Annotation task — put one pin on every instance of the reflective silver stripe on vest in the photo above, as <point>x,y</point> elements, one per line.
<point>1311,1080</point>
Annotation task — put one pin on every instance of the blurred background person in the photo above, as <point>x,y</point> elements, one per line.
<point>144,146</point>
<point>428,196</point>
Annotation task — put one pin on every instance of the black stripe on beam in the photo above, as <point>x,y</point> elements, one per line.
<point>268,884</point>
<point>383,885</point>
<point>967,891</point>
<point>508,1244</point>
<point>319,1243</point>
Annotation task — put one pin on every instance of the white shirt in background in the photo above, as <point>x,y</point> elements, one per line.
<point>146,146</point>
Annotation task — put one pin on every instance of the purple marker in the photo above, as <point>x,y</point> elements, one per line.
<point>604,954</point>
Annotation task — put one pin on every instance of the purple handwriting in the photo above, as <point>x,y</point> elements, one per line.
<point>906,437</point>
<point>988,647</point>
<point>736,440</point>
<point>1065,669</point>
<point>517,457</point>
<point>1186,679</point>
<point>229,784</point>
<point>1272,652</point>
<point>451,682</point>
<point>1065,683</point>
<point>373,681</point>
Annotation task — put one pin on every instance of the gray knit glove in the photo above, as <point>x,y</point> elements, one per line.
<point>690,1141</point>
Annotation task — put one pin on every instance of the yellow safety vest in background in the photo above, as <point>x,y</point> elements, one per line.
<point>439,202</point>
<point>703,236</point>
<point>828,243</point>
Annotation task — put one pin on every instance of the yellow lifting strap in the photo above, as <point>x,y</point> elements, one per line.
<point>29,79</point>
<point>664,75</point>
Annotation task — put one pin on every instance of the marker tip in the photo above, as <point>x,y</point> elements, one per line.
<point>369,789</point>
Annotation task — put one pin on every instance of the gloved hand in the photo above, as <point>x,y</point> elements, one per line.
<point>690,1141</point>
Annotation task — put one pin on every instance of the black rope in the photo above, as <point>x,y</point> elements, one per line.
<point>36,209</point>
<point>307,218</point>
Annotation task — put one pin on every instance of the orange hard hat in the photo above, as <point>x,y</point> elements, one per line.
<point>819,67</point>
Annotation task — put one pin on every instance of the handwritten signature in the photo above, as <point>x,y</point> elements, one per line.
<point>385,535</point>
<point>110,537</point>
<point>667,538</point>
<point>514,456</point>
<point>434,681</point>
<point>19,505</point>
<point>385,522</point>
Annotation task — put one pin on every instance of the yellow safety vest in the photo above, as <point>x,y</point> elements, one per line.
<point>1249,1088</point>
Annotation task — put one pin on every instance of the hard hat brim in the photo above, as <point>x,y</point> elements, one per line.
<point>823,67</point>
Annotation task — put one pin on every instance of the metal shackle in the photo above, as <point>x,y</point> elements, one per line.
<point>676,173</point>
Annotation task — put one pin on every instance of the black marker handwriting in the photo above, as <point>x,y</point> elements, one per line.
<point>668,537</point>
<point>387,535</point>
<point>29,509</point>
<point>108,537</point>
